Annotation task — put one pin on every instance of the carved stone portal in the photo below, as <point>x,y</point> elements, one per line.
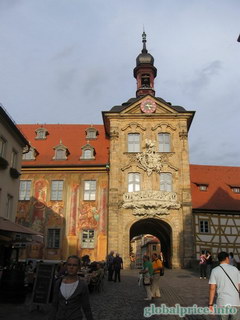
<point>150,203</point>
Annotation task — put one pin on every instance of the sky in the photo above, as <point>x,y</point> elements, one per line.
<point>66,61</point>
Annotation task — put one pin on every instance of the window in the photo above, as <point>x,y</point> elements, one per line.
<point>61,152</point>
<point>164,142</point>
<point>91,133</point>
<point>88,239</point>
<point>236,189</point>
<point>41,133</point>
<point>14,159</point>
<point>3,147</point>
<point>88,152</point>
<point>25,190</point>
<point>204,226</point>
<point>166,182</point>
<point>57,190</point>
<point>133,142</point>
<point>145,81</point>
<point>89,190</point>
<point>203,187</point>
<point>154,247</point>
<point>30,155</point>
<point>9,206</point>
<point>53,238</point>
<point>133,182</point>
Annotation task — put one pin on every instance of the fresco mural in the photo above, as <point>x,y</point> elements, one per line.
<point>40,213</point>
<point>39,205</point>
<point>88,216</point>
<point>73,210</point>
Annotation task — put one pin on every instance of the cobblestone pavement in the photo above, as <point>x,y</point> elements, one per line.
<point>125,300</point>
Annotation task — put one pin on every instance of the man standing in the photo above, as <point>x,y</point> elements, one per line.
<point>157,266</point>
<point>110,258</point>
<point>117,266</point>
<point>226,280</point>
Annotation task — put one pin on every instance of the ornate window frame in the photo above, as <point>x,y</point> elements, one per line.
<point>86,148</point>
<point>63,148</point>
<point>91,133</point>
<point>165,144</point>
<point>30,155</point>
<point>41,134</point>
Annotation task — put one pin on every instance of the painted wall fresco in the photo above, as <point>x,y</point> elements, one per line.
<point>71,215</point>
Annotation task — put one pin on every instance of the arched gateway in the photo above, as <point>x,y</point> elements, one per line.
<point>158,228</point>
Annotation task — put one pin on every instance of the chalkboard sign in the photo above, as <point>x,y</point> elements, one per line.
<point>43,283</point>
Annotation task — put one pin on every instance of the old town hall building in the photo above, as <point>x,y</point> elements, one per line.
<point>90,189</point>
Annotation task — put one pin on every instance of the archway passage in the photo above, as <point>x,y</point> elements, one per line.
<point>157,228</point>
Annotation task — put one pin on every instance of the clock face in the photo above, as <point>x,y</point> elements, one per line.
<point>148,106</point>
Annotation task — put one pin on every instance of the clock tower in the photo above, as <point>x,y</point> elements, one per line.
<point>145,72</point>
<point>149,178</point>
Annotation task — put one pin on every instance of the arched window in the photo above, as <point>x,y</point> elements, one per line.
<point>91,133</point>
<point>61,152</point>
<point>165,182</point>
<point>145,81</point>
<point>30,155</point>
<point>88,152</point>
<point>41,134</point>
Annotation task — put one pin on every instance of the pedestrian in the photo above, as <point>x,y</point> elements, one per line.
<point>232,260</point>
<point>70,295</point>
<point>203,265</point>
<point>117,266</point>
<point>110,258</point>
<point>157,266</point>
<point>209,263</point>
<point>225,279</point>
<point>147,272</point>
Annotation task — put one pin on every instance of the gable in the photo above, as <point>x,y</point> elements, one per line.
<point>148,105</point>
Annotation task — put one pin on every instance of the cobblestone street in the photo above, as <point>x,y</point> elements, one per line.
<point>125,300</point>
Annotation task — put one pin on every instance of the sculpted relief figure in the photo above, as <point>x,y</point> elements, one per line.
<point>149,160</point>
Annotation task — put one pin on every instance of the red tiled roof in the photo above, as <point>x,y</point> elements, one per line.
<point>219,180</point>
<point>73,136</point>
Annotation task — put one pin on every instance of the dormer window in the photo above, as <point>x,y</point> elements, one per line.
<point>91,133</point>
<point>88,152</point>
<point>41,134</point>
<point>203,187</point>
<point>61,152</point>
<point>30,155</point>
<point>235,189</point>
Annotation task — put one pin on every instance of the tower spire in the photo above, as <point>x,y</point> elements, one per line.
<point>144,40</point>
<point>145,72</point>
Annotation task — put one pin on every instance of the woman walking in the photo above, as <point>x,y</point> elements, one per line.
<point>70,295</point>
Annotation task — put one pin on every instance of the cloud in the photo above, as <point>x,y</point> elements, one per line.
<point>63,54</point>
<point>65,79</point>
<point>203,77</point>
